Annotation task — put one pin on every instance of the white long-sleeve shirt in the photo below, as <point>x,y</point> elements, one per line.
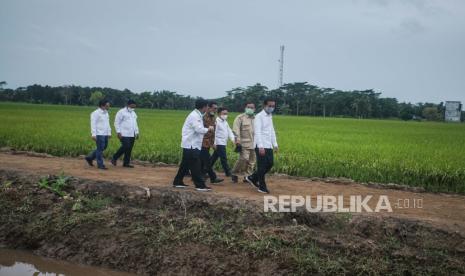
<point>264,134</point>
<point>193,131</point>
<point>100,123</point>
<point>126,123</point>
<point>223,132</point>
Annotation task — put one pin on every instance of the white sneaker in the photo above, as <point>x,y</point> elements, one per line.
<point>182,185</point>
<point>204,189</point>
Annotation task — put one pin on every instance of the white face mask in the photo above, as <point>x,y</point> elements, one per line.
<point>224,117</point>
<point>269,109</point>
<point>130,109</point>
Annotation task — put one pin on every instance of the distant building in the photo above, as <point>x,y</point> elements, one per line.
<point>453,111</point>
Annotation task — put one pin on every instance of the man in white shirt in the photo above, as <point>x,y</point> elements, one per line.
<point>127,129</point>
<point>222,133</point>
<point>101,132</point>
<point>265,142</point>
<point>193,131</point>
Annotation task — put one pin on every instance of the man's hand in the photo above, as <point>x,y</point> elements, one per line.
<point>238,148</point>
<point>109,136</point>
<point>211,128</point>
<point>214,147</point>
<point>120,136</point>
<point>261,151</point>
<point>137,136</point>
<point>276,149</point>
<point>94,138</point>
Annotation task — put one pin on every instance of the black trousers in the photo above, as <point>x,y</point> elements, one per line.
<point>127,143</point>
<point>206,165</point>
<point>220,152</point>
<point>190,162</point>
<point>264,165</point>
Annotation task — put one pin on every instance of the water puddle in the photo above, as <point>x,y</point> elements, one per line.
<point>23,263</point>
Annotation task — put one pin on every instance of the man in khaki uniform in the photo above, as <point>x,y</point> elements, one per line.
<point>243,132</point>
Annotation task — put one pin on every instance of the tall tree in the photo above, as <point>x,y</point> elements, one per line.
<point>95,97</point>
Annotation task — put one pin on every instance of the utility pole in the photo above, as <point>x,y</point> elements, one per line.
<point>281,65</point>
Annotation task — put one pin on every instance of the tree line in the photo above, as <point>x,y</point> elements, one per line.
<point>299,98</point>
<point>87,96</point>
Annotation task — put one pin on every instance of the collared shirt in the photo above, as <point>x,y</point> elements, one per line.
<point>243,130</point>
<point>264,134</point>
<point>126,123</point>
<point>100,123</point>
<point>223,132</point>
<point>209,137</point>
<point>193,131</point>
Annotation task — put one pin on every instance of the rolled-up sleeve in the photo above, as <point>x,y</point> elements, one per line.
<point>93,123</point>
<point>109,127</point>
<point>258,131</point>
<point>273,136</point>
<point>230,133</point>
<point>136,125</point>
<point>118,119</point>
<point>198,126</point>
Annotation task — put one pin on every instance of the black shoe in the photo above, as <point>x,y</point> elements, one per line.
<point>180,185</point>
<point>103,168</point>
<point>248,180</point>
<point>113,162</point>
<point>203,189</point>
<point>90,162</point>
<point>217,180</point>
<point>234,178</point>
<point>228,174</point>
<point>263,190</point>
<point>128,166</point>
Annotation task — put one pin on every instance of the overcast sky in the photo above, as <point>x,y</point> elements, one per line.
<point>413,50</point>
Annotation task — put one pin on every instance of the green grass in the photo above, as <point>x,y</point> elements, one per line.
<point>430,155</point>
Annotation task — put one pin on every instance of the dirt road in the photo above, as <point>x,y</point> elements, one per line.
<point>442,210</point>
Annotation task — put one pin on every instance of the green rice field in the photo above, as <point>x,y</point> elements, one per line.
<point>429,155</point>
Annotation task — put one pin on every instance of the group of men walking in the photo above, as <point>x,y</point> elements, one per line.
<point>126,129</point>
<point>254,136</point>
<point>206,128</point>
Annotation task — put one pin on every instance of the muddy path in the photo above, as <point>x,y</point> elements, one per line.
<point>444,211</point>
